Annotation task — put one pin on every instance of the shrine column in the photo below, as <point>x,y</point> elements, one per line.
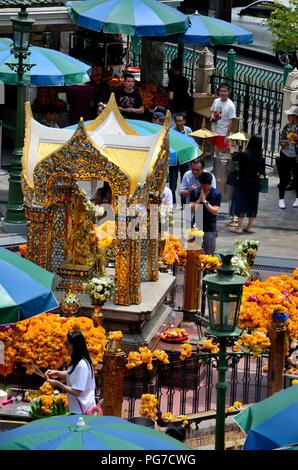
<point>127,265</point>
<point>38,225</point>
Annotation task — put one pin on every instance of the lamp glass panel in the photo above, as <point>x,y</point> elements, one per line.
<point>214,306</point>
<point>25,40</point>
<point>229,311</point>
<point>17,37</point>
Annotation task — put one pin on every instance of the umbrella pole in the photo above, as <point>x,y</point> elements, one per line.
<point>215,58</point>
<point>193,68</point>
<point>221,388</point>
<point>127,51</point>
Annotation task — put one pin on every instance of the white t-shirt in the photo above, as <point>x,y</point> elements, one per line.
<point>224,111</point>
<point>167,198</point>
<point>82,379</point>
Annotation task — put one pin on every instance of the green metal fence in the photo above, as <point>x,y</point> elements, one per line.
<point>244,72</point>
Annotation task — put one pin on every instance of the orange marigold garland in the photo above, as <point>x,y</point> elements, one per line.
<point>186,351</point>
<point>148,406</point>
<point>261,299</point>
<point>174,251</point>
<point>209,263</point>
<point>41,340</point>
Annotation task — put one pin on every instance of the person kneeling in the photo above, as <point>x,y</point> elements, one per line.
<point>211,200</point>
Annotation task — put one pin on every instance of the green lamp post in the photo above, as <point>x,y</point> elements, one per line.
<point>224,292</point>
<point>14,220</point>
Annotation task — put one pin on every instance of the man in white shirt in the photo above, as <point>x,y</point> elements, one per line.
<point>223,113</point>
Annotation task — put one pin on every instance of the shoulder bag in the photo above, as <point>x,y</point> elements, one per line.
<point>233,175</point>
<point>263,184</point>
<point>93,410</point>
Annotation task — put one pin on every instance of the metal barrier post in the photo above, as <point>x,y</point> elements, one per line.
<point>287,69</point>
<point>2,172</point>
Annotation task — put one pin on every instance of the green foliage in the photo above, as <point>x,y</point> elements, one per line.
<point>283,23</point>
<point>6,389</point>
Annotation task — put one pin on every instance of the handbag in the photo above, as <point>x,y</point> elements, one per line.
<point>233,175</point>
<point>93,410</point>
<point>263,184</point>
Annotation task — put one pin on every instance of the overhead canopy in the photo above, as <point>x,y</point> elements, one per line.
<point>25,288</point>
<point>132,17</point>
<point>51,67</point>
<point>209,31</point>
<point>110,133</point>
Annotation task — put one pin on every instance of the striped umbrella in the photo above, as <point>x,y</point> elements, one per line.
<point>131,17</point>
<point>95,433</point>
<point>25,288</point>
<point>272,422</point>
<point>209,31</point>
<point>183,149</point>
<point>181,146</point>
<point>51,68</point>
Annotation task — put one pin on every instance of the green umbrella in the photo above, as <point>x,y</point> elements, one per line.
<point>132,17</point>
<point>182,145</point>
<point>51,67</point>
<point>271,423</point>
<point>25,288</point>
<point>86,433</point>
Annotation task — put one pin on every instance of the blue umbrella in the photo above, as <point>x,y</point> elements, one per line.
<point>183,148</point>
<point>51,67</point>
<point>95,433</point>
<point>271,423</point>
<point>131,17</point>
<point>25,288</point>
<point>209,31</point>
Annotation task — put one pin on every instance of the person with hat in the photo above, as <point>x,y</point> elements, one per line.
<point>158,118</point>
<point>288,161</point>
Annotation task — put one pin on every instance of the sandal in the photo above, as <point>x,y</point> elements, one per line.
<point>235,230</point>
<point>248,230</point>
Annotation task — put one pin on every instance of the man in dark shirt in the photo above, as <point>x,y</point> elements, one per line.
<point>211,200</point>
<point>129,101</point>
<point>81,98</point>
<point>178,89</point>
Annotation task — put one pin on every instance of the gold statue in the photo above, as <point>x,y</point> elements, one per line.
<point>80,241</point>
<point>100,259</point>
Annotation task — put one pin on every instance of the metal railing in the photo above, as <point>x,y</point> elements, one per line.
<point>187,387</point>
<point>260,108</point>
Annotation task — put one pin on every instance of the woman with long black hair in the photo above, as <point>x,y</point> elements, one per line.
<point>79,377</point>
<point>245,198</point>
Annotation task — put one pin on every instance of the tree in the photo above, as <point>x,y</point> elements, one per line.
<point>283,23</point>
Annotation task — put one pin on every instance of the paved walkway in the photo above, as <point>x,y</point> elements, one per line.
<point>276,229</point>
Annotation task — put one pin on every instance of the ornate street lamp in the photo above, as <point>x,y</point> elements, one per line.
<point>14,220</point>
<point>224,292</point>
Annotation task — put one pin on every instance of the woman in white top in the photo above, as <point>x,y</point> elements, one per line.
<point>79,377</point>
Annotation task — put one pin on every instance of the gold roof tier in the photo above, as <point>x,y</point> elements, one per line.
<point>203,134</point>
<point>238,136</point>
<point>109,133</point>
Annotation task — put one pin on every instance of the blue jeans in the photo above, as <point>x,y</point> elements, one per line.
<point>209,242</point>
<point>173,178</point>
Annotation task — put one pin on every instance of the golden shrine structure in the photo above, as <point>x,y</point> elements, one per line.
<point>108,149</point>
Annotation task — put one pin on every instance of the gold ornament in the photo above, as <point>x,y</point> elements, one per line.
<point>97,316</point>
<point>71,304</point>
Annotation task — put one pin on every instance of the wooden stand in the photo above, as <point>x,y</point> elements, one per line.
<point>114,368</point>
<point>192,284</point>
<point>277,335</point>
